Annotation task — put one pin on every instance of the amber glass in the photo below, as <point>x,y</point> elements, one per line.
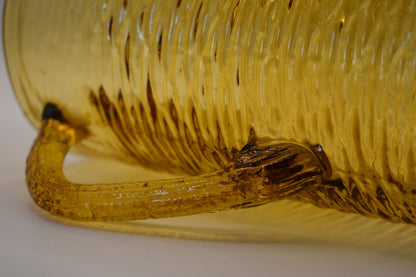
<point>213,89</point>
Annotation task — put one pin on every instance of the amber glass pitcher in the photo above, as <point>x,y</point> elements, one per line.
<point>250,102</point>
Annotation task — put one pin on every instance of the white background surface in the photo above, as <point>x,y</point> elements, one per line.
<point>30,245</point>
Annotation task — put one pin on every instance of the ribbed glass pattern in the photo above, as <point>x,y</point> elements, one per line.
<point>181,85</point>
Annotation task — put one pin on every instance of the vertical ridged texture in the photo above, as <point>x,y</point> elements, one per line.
<point>180,85</point>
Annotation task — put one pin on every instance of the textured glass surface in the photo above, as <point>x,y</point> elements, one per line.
<point>181,85</point>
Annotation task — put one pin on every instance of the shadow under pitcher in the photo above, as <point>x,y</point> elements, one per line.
<point>254,101</point>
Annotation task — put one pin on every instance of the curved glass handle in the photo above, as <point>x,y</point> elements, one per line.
<point>258,174</point>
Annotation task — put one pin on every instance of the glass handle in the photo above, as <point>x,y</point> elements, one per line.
<point>261,172</point>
